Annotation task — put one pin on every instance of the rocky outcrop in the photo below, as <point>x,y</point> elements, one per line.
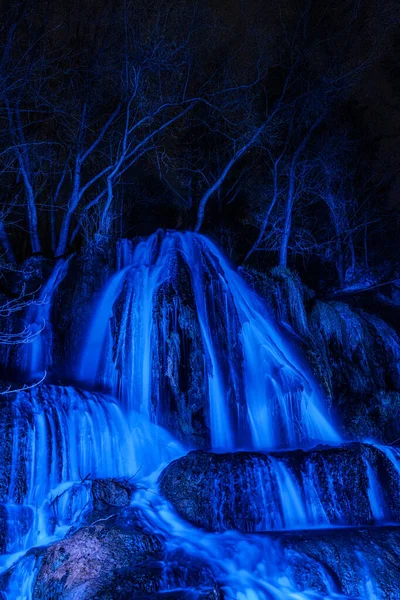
<point>349,485</point>
<point>73,303</point>
<point>6,438</point>
<point>355,354</point>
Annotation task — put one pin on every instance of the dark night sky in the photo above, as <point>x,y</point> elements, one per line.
<point>230,44</point>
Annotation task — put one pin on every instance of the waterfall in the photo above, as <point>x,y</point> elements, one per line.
<point>61,438</point>
<point>178,345</point>
<point>258,393</point>
<point>36,356</point>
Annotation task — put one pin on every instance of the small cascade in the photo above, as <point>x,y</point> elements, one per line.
<point>290,497</point>
<point>22,579</point>
<point>94,365</point>
<point>257,393</point>
<point>289,566</point>
<point>370,589</point>
<point>36,356</point>
<point>61,438</point>
<point>286,491</point>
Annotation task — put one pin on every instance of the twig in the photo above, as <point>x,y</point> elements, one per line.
<point>103,519</point>
<point>24,387</point>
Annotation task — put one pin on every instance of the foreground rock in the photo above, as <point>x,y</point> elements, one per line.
<point>93,560</point>
<point>85,501</point>
<point>118,559</point>
<point>354,484</point>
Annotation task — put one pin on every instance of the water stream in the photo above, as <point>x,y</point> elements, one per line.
<point>258,395</point>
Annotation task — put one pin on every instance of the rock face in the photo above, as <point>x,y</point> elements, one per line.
<point>350,562</point>
<point>6,438</point>
<point>95,560</point>
<point>349,485</point>
<point>111,554</point>
<point>354,354</point>
<point>178,362</point>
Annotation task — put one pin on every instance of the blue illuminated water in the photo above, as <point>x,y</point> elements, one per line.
<point>37,356</point>
<point>277,404</point>
<point>258,394</point>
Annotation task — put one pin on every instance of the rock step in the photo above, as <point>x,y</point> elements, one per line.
<point>362,563</point>
<point>352,484</point>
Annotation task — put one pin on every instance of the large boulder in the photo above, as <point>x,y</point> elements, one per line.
<point>119,558</point>
<point>353,484</point>
<point>96,559</point>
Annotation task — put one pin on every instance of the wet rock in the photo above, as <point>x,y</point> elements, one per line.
<point>285,293</point>
<point>95,559</point>
<point>182,570</point>
<point>73,302</point>
<point>250,491</point>
<point>111,492</point>
<point>119,558</point>
<point>358,352</point>
<point>372,417</point>
<point>350,562</point>
<point>3,528</point>
<point>6,437</point>
<point>354,353</point>
<point>178,368</point>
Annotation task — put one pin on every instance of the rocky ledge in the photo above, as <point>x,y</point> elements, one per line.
<point>352,562</point>
<point>353,484</point>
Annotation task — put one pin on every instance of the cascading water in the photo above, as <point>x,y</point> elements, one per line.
<point>177,330</point>
<point>36,357</point>
<point>258,394</point>
<point>61,438</point>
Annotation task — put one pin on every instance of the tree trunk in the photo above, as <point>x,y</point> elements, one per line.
<point>287,227</point>
<point>211,190</point>
<point>73,203</point>
<point>268,213</point>
<point>5,242</point>
<point>24,164</point>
